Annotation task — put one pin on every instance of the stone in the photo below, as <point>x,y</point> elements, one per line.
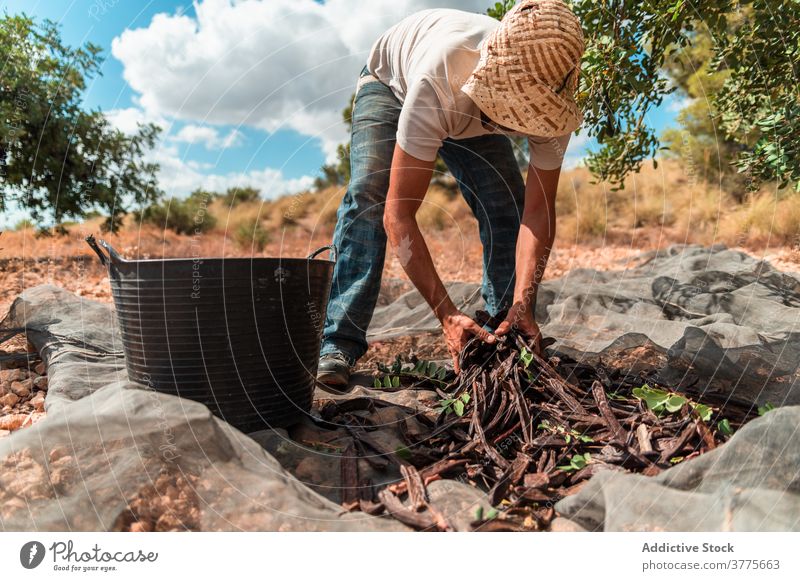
<point>565,525</point>
<point>9,399</point>
<point>9,375</point>
<point>141,527</point>
<point>40,382</point>
<point>40,368</point>
<point>12,422</point>
<point>37,401</point>
<point>458,502</point>
<point>22,388</point>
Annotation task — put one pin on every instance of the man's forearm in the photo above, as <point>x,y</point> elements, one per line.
<point>536,234</point>
<point>534,243</point>
<point>409,245</point>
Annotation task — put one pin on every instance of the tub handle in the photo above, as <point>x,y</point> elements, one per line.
<point>95,244</point>
<point>333,252</point>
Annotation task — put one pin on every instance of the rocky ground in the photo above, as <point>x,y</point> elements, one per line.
<point>22,393</point>
<point>22,389</point>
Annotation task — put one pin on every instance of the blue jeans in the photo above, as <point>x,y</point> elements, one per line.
<point>489,179</point>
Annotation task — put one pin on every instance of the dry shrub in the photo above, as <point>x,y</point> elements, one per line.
<point>252,236</point>
<point>698,212</point>
<point>765,218</point>
<point>327,208</point>
<point>648,204</point>
<point>582,209</point>
<point>435,211</point>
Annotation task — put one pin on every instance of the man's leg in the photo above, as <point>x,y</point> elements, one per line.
<point>359,234</point>
<point>490,181</point>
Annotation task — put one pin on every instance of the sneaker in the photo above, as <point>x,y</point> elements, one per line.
<point>333,373</point>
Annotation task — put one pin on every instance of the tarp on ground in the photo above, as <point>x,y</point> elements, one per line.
<point>711,318</point>
<point>111,452</point>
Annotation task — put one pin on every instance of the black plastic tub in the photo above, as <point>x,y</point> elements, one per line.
<point>240,335</point>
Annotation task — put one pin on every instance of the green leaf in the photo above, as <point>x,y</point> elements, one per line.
<point>387,381</point>
<point>703,411</point>
<point>525,357</point>
<point>377,383</point>
<point>395,381</point>
<point>577,462</point>
<point>763,409</point>
<point>458,407</point>
<point>403,453</point>
<point>675,403</point>
<point>724,426</point>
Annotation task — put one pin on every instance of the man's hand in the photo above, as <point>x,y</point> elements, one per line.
<point>458,328</point>
<point>521,319</point>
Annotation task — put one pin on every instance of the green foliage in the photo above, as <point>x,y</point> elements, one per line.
<point>724,427</point>
<point>761,96</point>
<point>753,58</point>
<point>703,411</point>
<point>763,409</point>
<point>388,382</point>
<point>23,224</point>
<point>659,402</point>
<point>744,52</point>
<point>338,173</point>
<point>251,234</point>
<point>183,216</point>
<point>526,357</point>
<point>58,160</point>
<point>455,405</point>
<point>490,514</point>
<point>568,435</point>
<point>235,196</point>
<point>500,8</point>
<point>419,372</point>
<point>403,453</point>
<point>704,151</point>
<point>577,462</point>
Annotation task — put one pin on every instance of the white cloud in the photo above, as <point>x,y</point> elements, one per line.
<point>127,120</point>
<point>178,177</point>
<point>209,137</point>
<point>272,64</point>
<point>677,103</point>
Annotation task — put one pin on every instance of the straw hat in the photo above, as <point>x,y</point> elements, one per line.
<point>528,70</point>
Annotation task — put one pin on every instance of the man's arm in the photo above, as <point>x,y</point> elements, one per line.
<point>536,235</point>
<point>408,183</point>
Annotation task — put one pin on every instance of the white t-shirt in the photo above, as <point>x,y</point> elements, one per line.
<point>425,59</point>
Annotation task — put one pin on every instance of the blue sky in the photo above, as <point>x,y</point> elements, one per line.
<point>248,93</point>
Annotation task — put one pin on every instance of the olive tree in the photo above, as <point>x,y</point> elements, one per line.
<point>57,159</point>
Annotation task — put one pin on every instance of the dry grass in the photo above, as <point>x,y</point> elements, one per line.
<point>657,207</point>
